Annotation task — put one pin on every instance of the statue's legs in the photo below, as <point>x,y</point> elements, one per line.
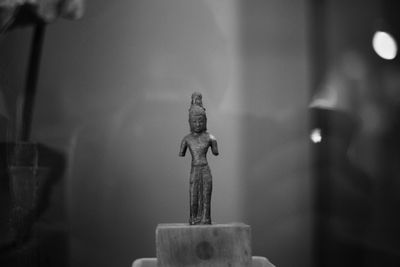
<point>206,193</point>
<point>196,199</point>
<point>200,199</point>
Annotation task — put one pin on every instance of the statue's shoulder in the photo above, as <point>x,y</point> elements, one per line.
<point>210,136</point>
<point>188,137</point>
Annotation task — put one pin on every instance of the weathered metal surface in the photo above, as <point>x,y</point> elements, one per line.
<point>198,142</point>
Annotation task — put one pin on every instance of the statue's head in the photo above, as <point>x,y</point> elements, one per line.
<point>197,114</point>
<point>198,123</point>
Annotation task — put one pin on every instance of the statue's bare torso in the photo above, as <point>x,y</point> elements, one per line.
<point>198,146</point>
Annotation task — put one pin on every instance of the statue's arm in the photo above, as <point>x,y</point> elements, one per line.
<point>214,145</point>
<point>182,151</point>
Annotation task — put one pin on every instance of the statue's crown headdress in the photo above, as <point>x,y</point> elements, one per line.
<point>196,106</point>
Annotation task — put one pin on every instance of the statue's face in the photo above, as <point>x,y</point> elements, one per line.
<point>198,123</point>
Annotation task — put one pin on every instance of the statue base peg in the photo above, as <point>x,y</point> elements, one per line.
<point>203,245</point>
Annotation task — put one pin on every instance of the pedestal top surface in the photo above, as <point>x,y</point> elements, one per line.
<point>219,225</point>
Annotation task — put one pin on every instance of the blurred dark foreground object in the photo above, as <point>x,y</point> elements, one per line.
<point>33,223</point>
<point>32,228</point>
<point>24,183</point>
<point>15,13</point>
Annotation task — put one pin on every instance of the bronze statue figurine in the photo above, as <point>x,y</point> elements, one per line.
<point>198,141</point>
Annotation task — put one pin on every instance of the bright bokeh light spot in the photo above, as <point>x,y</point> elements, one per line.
<point>316,136</point>
<point>384,45</point>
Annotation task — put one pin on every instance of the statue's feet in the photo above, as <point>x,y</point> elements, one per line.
<point>205,221</point>
<point>193,221</point>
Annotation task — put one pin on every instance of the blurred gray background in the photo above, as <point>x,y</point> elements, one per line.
<point>113,98</point>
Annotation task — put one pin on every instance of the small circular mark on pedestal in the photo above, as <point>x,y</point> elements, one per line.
<point>215,232</point>
<point>204,250</point>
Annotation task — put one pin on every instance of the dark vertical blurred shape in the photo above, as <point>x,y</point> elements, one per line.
<point>343,192</point>
<point>317,54</point>
<point>31,234</point>
<point>390,15</point>
<point>355,163</point>
<point>23,157</point>
<point>38,232</point>
<point>385,233</point>
<point>27,98</point>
